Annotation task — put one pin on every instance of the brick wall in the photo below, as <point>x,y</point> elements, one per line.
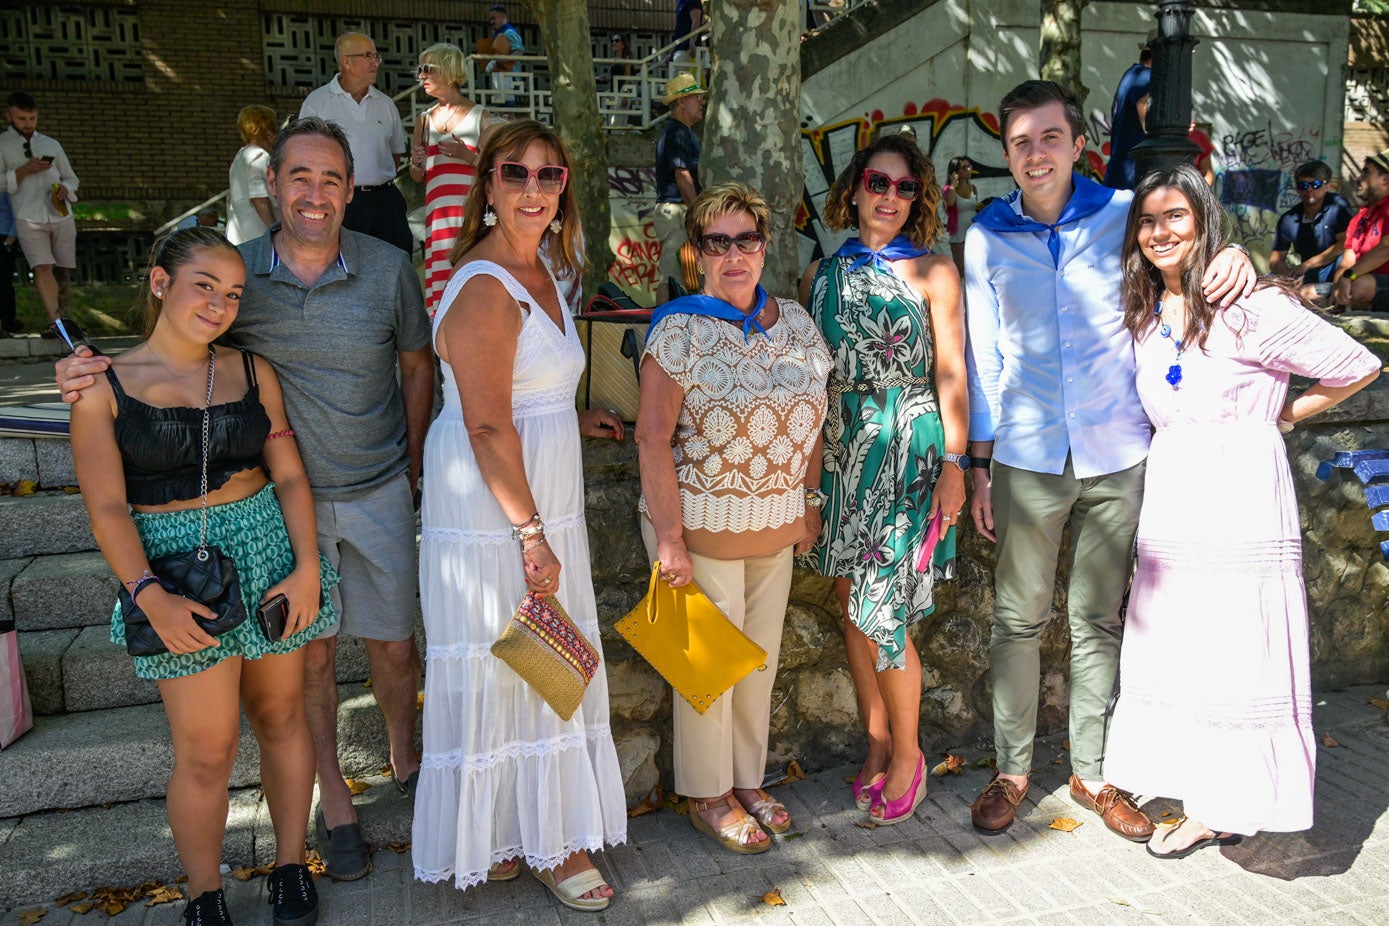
<point>174,135</point>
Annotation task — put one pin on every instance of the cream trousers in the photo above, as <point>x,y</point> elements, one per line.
<point>727,746</point>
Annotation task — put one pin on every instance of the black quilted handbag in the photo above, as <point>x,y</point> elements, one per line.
<point>204,574</point>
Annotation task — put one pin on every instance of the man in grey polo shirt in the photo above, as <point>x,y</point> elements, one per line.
<point>338,313</point>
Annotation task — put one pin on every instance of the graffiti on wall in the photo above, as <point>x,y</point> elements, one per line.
<point>632,199</point>
<point>1256,167</point>
<point>944,130</point>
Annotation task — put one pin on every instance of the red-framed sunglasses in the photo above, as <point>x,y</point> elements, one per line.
<point>515,176</point>
<point>878,183</point>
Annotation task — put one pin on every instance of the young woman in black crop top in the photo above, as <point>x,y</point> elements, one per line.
<point>137,445</point>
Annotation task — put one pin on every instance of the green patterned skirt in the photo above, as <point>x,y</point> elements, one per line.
<point>252,532</point>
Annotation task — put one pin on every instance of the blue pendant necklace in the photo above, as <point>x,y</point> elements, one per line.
<point>1174,372</point>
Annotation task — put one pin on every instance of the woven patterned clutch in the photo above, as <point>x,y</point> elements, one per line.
<point>542,645</point>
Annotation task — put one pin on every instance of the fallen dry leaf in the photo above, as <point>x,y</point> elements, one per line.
<point>865,824</point>
<point>1120,901</point>
<point>246,874</point>
<point>385,770</point>
<point>953,765</point>
<point>112,907</point>
<point>163,894</point>
<point>1066,745</point>
<point>419,702</point>
<point>794,772</point>
<point>1381,703</point>
<point>355,786</point>
<point>84,907</point>
<point>366,684</point>
<point>69,898</point>
<point>398,846</point>
<point>21,488</point>
<point>72,490</point>
<point>773,898</point>
<point>1329,741</point>
<point>315,863</point>
<point>677,803</point>
<point>30,917</point>
<point>1065,824</point>
<point>849,779</point>
<point>650,804</point>
<point>986,762</point>
<point>790,836</point>
<point>1056,761</point>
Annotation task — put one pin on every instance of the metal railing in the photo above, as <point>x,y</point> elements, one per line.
<point>626,102</point>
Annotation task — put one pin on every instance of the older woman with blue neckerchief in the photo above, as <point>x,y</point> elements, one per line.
<point>895,444</point>
<point>733,395</point>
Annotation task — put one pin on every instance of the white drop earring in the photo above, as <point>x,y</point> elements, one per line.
<point>557,224</point>
<point>489,217</point>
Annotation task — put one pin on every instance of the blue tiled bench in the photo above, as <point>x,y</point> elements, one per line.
<point>1371,467</point>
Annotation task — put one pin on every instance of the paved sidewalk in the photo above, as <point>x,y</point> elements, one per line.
<point>934,869</point>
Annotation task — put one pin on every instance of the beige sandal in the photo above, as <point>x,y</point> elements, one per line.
<point>736,835</point>
<point>765,811</point>
<point>571,890</point>
<point>505,871</point>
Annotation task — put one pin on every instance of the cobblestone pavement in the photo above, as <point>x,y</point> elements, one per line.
<point>933,869</point>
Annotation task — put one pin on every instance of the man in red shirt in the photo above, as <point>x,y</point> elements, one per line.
<point>1362,282</point>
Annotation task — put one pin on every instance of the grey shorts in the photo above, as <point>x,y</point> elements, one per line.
<point>370,541</point>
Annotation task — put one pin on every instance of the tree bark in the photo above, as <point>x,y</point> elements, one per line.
<point>1059,54</point>
<point>752,124</point>
<point>564,24</point>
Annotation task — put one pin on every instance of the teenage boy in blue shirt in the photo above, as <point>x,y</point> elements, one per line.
<point>1053,405</point>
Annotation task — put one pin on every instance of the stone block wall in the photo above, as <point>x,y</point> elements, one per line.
<point>814,711</point>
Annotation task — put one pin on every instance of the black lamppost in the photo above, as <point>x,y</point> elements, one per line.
<point>1169,101</point>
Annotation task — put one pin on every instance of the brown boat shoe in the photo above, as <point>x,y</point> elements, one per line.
<point>1116,808</point>
<point>996,806</point>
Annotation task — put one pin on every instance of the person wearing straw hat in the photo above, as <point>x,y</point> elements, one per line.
<point>677,173</point>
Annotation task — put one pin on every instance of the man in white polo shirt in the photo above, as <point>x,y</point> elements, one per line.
<point>372,124</point>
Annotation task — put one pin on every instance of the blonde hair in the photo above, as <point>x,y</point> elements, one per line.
<point>722,199</point>
<point>450,62</point>
<point>510,143</point>
<point>256,123</point>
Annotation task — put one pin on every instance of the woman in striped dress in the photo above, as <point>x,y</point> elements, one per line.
<point>443,155</point>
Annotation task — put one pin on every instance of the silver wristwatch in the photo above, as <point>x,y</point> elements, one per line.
<point>814,498</point>
<point>959,459</point>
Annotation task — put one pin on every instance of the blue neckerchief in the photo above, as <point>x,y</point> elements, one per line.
<point>1089,197</point>
<point>899,248</point>
<point>714,308</point>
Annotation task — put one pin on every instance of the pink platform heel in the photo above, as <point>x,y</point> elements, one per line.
<point>865,797</point>
<point>902,808</point>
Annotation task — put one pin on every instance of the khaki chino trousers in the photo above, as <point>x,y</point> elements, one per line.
<point>1031,512</point>
<point>726,747</point>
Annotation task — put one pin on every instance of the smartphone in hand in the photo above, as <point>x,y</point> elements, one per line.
<point>271,616</point>
<point>73,335</point>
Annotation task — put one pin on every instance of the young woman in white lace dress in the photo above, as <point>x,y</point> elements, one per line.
<point>503,778</point>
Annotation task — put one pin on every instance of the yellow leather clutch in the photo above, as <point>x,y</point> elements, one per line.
<point>687,639</point>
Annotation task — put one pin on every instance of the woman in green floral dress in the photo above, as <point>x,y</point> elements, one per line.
<point>894,443</point>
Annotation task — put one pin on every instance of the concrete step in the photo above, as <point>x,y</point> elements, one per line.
<point>49,522</point>
<point>79,669</point>
<point>123,754</point>
<point>46,855</point>
<point>63,590</point>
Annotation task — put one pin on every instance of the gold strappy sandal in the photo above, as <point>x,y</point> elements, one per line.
<point>765,809</point>
<point>733,837</point>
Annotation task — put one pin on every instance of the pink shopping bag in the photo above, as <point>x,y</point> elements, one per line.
<point>16,715</point>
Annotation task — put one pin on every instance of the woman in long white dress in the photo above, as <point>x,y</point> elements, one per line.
<point>250,210</point>
<point>1215,704</point>
<point>503,778</point>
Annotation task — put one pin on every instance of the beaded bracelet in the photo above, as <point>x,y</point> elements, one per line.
<point>140,586</point>
<point>287,432</point>
<point>531,542</point>
<point>528,528</point>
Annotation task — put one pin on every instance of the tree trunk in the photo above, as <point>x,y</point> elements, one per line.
<point>1059,55</point>
<point>564,24</point>
<point>753,121</point>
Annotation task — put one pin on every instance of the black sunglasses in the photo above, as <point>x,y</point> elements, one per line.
<point>1305,185</point>
<point>718,245</point>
